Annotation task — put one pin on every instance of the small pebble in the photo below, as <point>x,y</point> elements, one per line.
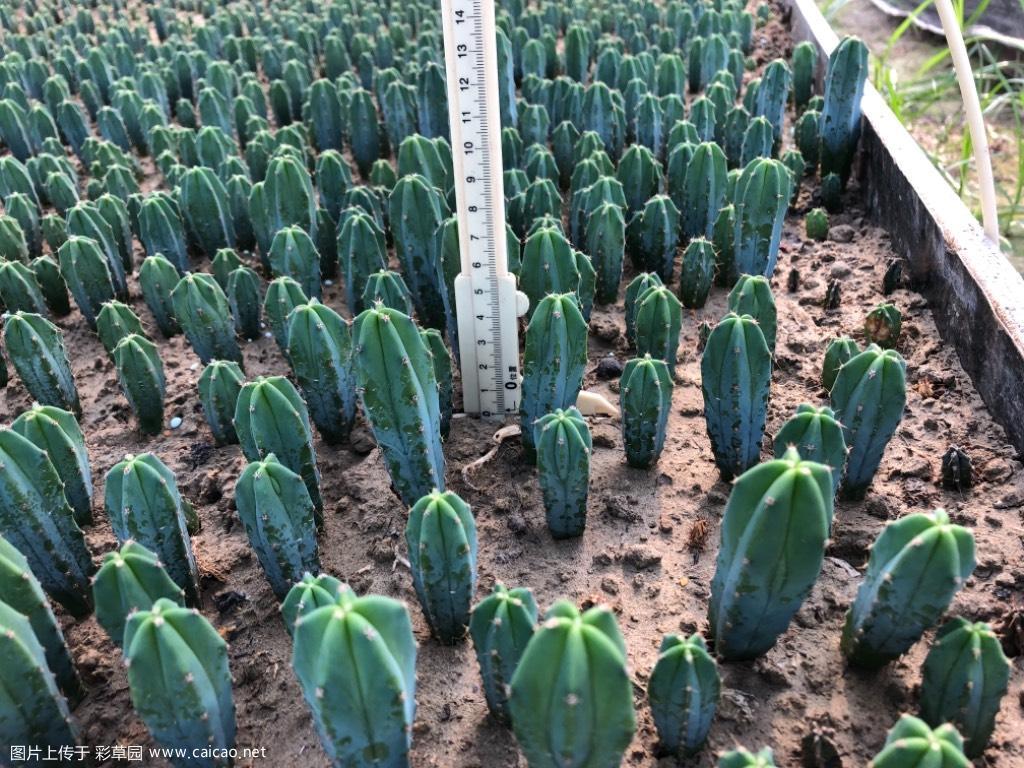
<point>176,422</point>
<point>267,335</point>
<point>328,282</point>
<point>193,366</point>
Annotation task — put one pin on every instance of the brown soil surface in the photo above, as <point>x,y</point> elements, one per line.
<point>648,551</point>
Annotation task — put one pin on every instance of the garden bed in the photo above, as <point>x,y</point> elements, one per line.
<point>651,538</point>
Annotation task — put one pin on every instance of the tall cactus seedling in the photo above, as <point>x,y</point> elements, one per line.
<point>817,436</point>
<point>441,536</point>
<point>683,691</point>
<point>398,390</point>
<point>141,373</point>
<point>658,321</point>
<point>219,385</point>
<point>645,399</point>
<point>180,682</point>
<point>204,314</point>
<point>761,200</point>
<point>752,295</point>
<point>917,565</point>
<point>564,446</point>
<point>307,595</point>
<point>416,210</point>
<point>501,625</point>
<point>157,278</point>
<point>774,531</point>
<point>364,701</point>
<point>735,378</point>
<point>840,116</point>
<point>571,698</point>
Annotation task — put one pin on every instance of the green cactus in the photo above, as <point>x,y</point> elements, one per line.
<point>774,531</point>
<point>816,224</point>
<point>180,682</point>
<point>320,353</point>
<point>271,418</point>
<point>868,397</point>
<point>772,95</point>
<point>735,379</point>
<point>307,595</point>
<point>965,676</point>
<point>752,295</point>
<point>141,373</point>
<point>219,385</point>
<point>845,76</point>
<point>697,273</point>
<point>398,390</point>
<point>839,352</point>
<point>131,579</point>
<point>389,289</point>
<point>805,65</point>
<point>37,715</point>
<point>86,272</point>
<point>56,431</point>
<point>554,361</point>
<point>571,698</point>
<point>606,243</point>
<point>817,436</point>
<point>362,251</point>
<point>737,120</point>
<point>564,445</point>
<point>882,326</point>
<point>549,266</point>
<point>416,209</point>
<point>653,237</point>
<point>636,288</point>
<point>501,625</point>
<point>645,399</point>
<point>293,254</point>
<point>917,565</point>
<point>206,210</point>
<point>223,263</point>
<point>13,246</point>
<point>278,516</point>
<point>683,692</point>
<point>703,191</point>
<point>283,295</point>
<point>761,200</point>
<point>743,758</point>
<point>204,315</point>
<point>244,301</point>
<point>20,590</point>
<point>115,321</point>
<point>55,231</point>
<point>640,174</point>
<point>912,742</point>
<point>157,278</point>
<point>19,289</point>
<point>807,137</point>
<point>144,505</point>
<point>36,348</point>
<point>442,361</point>
<point>658,321</point>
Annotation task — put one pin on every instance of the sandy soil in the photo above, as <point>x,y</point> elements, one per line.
<point>648,550</point>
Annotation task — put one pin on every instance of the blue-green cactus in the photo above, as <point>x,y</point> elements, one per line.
<point>86,272</point>
<point>157,278</point>
<point>141,373</point>
<point>442,360</point>
<point>564,445</point>
<point>36,348</point>
<point>752,295</point>
<point>244,300</point>
<point>912,742</point>
<point>416,209</point>
<point>645,399</point>
<point>19,289</point>
<point>362,252</point>
<point>634,291</point>
<point>703,190</point>
<point>761,200</point>
<point>653,237</point>
<point>283,295</point>
<point>657,321</point>
<point>683,691</point>
<point>839,352</point>
<point>203,312</point>
<point>206,210</point>
<point>606,244</point>
<point>293,254</point>
<point>817,436</point>
<point>219,385</point>
<point>744,758</point>
<point>696,273</point>
<point>845,76</point>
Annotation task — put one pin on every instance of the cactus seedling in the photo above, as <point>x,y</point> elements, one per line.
<point>130,580</point>
<point>115,321</point>
<point>564,446</point>
<point>703,192</point>
<point>683,691</point>
<point>307,595</point>
<point>882,326</point>
<point>653,236</point>
<point>743,758</point>
<point>571,700</point>
<point>868,397</point>
<point>441,536</point>
<point>501,625</point>
<point>57,432</point>
<point>606,244</point>
<point>416,210</point>
<point>442,361</point>
<point>752,295</point>
<point>293,254</point>
<point>645,398</point>
<point>774,531</point>
<point>219,385</point>
<point>244,300</point>
<point>35,346</point>
<point>817,436</point>
<point>283,295</point>
<point>553,363</point>
<point>179,681</point>
<point>389,289</point>
<point>19,289</point>
<point>364,700</point>
<point>157,278</point>
<point>206,210</point>
<point>816,224</point>
<point>735,379</point>
<point>761,200</point>
<point>278,516</point>
<point>696,273</point>
<point>957,469</point>
<point>362,252</point>
<point>86,271</point>
<point>917,565</point>
<point>965,676</point>
<point>141,374</point>
<point>838,353</point>
<point>51,283</point>
<point>658,320</point>
<point>636,288</point>
<point>144,505</point>
<point>204,314</point>
<point>912,742</point>
<point>840,116</point>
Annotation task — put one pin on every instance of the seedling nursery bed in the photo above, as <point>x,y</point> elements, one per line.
<point>652,535</point>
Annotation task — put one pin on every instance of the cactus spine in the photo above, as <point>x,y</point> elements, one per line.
<point>683,691</point>
<point>501,625</point>
<point>774,531</point>
<point>564,445</point>
<point>645,399</point>
<point>204,314</point>
<point>36,348</point>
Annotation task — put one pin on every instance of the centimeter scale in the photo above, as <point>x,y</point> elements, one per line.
<point>486,299</point>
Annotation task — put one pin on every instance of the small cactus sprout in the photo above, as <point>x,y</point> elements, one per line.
<point>696,273</point>
<point>130,580</point>
<point>51,284</point>
<point>703,192</point>
<point>761,200</point>
<point>912,742</point>
<point>141,373</point>
<point>653,236</point>
<point>398,390</point>
<point>832,193</point>
<point>636,288</point>
<point>389,289</point>
<point>219,385</point>
<point>86,271</point>
<point>735,379</point>
<point>293,254</point>
<point>882,326</point>
<point>56,431</point>
<point>957,469</point>
<point>645,399</point>
<point>564,446</point>
<point>606,244</point>
<point>307,595</point>
<point>774,531</point>
<point>115,321</point>
<point>839,352</point>
<point>36,348</point>
<point>917,565</point>
<point>278,516</point>
<point>817,437</point>
<point>571,700</point>
<point>20,590</point>
<point>840,116</point>
<point>157,278</point>
<point>204,314</point>
<point>659,319</point>
<point>683,691</point>
<point>206,210</point>
<point>741,757</point>
<point>501,625</point>
<point>37,715</point>
<point>19,289</point>
<point>180,682</point>
<point>283,295</point>
<point>868,397</point>
<point>441,536</point>
<point>554,360</point>
<point>752,295</point>
<point>363,702</point>
<point>244,301</point>
<point>805,64</point>
<point>442,361</point>
<point>144,505</point>
<point>816,224</point>
<point>965,676</point>
<point>271,418</point>
<point>320,352</point>
<point>891,280</point>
